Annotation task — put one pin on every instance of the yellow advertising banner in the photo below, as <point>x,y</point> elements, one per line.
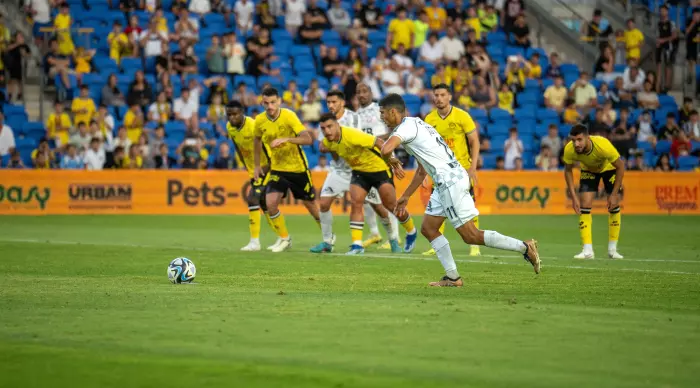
<point>37,192</point>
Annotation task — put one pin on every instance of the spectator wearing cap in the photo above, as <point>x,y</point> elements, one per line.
<point>593,29</point>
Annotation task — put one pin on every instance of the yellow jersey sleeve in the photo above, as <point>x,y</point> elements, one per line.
<point>608,151</point>
<point>569,153</point>
<point>259,119</point>
<point>466,122</point>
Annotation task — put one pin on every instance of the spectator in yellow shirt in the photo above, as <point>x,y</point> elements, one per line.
<point>134,160</point>
<point>437,16</point>
<point>83,107</point>
<point>506,98</point>
<point>292,97</point>
<point>571,114</point>
<point>58,125</point>
<point>62,23</point>
<point>133,121</point>
<point>473,22</point>
<point>533,70</point>
<point>441,76</point>
<point>634,39</point>
<point>82,60</point>
<point>401,30</point>
<point>42,156</point>
<point>118,42</point>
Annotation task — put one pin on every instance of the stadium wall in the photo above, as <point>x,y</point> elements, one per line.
<point>37,192</point>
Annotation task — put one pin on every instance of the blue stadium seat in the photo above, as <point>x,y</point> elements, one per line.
<point>667,102</point>
<point>131,63</point>
<point>688,163</point>
<point>645,146</point>
<point>33,129</point>
<point>541,130</point>
<point>489,161</point>
<point>663,147</point>
<point>528,98</point>
<point>498,114</point>
<point>564,130</point>
<point>522,114</point>
<point>547,114</point>
<point>498,129</point>
<point>695,146</point>
<point>479,114</point>
<point>105,64</point>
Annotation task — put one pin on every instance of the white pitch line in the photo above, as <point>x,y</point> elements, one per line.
<point>371,255</point>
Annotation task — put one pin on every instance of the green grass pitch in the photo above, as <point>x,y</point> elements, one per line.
<point>85,302</point>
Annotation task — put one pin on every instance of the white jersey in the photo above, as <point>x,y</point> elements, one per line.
<point>422,141</point>
<point>352,120</point>
<point>371,120</point>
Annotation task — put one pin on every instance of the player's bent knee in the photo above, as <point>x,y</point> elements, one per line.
<point>429,232</point>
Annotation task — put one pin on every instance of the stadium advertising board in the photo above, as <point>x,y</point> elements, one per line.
<point>36,192</point>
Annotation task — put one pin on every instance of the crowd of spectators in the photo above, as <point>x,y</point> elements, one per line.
<point>151,89</point>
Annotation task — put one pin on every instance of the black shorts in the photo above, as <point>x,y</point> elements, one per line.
<point>256,194</point>
<point>691,51</point>
<point>590,181</point>
<point>299,183</point>
<point>666,55</point>
<point>367,180</point>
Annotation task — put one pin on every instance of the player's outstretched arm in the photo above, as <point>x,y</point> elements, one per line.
<point>569,177</point>
<point>390,160</point>
<point>392,143</point>
<point>410,190</point>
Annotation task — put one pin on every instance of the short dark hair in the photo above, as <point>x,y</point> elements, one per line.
<point>84,87</point>
<point>597,12</point>
<point>327,116</point>
<point>235,104</point>
<point>500,159</point>
<point>441,86</point>
<point>95,140</point>
<point>671,115</point>
<point>119,149</point>
<point>687,99</point>
<point>270,92</point>
<point>394,101</point>
<point>336,93</point>
<point>578,129</point>
<point>693,112</point>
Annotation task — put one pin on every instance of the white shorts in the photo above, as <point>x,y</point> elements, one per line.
<point>337,185</point>
<point>453,202</point>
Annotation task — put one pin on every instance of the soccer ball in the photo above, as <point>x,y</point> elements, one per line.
<point>181,270</point>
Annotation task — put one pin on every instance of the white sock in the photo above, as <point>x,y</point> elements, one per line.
<point>394,227</point>
<point>371,220</point>
<point>388,226</point>
<point>587,248</point>
<point>327,226</point>
<point>496,240</point>
<point>444,254</point>
<point>612,246</point>
<point>255,240</point>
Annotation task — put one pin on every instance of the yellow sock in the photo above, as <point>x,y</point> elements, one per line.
<point>442,228</point>
<point>254,218</point>
<point>356,228</point>
<point>585,225</point>
<point>614,225</point>
<point>476,222</point>
<point>269,222</point>
<point>409,225</point>
<point>279,225</point>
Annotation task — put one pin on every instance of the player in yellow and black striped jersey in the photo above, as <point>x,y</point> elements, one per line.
<point>460,133</point>
<point>599,160</point>
<point>240,129</point>
<point>281,130</point>
<point>361,151</point>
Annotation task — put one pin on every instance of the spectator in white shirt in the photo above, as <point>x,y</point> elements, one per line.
<point>185,108</point>
<point>244,10</point>
<point>293,18</point>
<point>432,50</point>
<point>402,59</point>
<point>200,7</point>
<point>513,149</point>
<point>187,27</point>
<point>584,94</point>
<point>633,79</point>
<point>152,40</point>
<point>339,17</point>
<point>7,137</point>
<point>391,79</point>
<point>692,127</point>
<point>95,156</point>
<point>414,82</point>
<point>122,139</point>
<point>452,46</point>
<point>81,138</point>
<point>41,11</point>
<point>235,54</point>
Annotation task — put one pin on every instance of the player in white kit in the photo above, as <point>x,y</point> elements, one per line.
<point>450,199</point>
<point>373,125</point>
<point>337,182</point>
